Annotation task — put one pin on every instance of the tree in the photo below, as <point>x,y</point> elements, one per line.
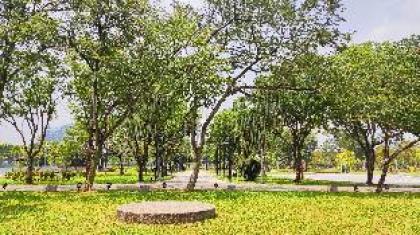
<point>252,35</point>
<point>350,111</point>
<point>375,88</point>
<point>301,111</point>
<point>31,105</point>
<point>105,39</point>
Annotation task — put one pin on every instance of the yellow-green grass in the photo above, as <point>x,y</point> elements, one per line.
<point>130,177</point>
<point>237,213</point>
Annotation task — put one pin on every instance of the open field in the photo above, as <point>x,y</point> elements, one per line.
<point>237,213</point>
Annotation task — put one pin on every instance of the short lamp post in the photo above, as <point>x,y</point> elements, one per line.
<point>79,186</point>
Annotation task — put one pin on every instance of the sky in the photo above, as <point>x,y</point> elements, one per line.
<point>372,20</point>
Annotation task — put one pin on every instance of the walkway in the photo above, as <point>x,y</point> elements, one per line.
<point>206,181</point>
<point>359,178</point>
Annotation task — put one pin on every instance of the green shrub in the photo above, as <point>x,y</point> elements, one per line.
<point>251,169</point>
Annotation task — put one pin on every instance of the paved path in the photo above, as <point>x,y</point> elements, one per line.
<point>397,179</point>
<point>206,181</point>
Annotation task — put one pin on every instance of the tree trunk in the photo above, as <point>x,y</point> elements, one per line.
<point>3,81</point>
<point>140,164</point>
<point>94,160</point>
<point>90,174</point>
<point>197,151</point>
<point>29,169</point>
<point>370,165</point>
<point>95,143</point>
<point>262,156</point>
<point>385,167</point>
<point>145,157</point>
<point>164,165</point>
<point>157,158</point>
<point>121,165</point>
<point>381,182</point>
<point>298,162</point>
<point>230,168</point>
<point>88,162</point>
<point>224,162</point>
<point>217,161</point>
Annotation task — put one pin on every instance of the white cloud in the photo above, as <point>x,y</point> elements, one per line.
<point>385,20</point>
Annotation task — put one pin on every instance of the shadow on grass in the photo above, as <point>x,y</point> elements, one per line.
<point>27,203</point>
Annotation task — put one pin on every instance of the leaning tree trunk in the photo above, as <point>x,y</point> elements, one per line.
<point>197,155</point>
<point>29,169</point>
<point>386,162</point>
<point>381,182</point>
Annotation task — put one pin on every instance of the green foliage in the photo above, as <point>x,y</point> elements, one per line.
<point>237,213</point>
<point>346,158</point>
<point>27,34</point>
<point>377,83</point>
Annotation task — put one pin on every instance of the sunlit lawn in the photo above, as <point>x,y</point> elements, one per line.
<point>237,213</point>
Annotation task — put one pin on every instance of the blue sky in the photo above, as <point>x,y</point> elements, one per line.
<point>373,20</point>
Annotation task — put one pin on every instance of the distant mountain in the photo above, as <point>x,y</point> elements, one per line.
<point>57,133</point>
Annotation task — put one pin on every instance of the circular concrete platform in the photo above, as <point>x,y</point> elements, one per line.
<point>165,212</point>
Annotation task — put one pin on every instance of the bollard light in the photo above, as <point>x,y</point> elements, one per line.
<point>108,185</point>
<point>79,186</point>
<point>356,188</point>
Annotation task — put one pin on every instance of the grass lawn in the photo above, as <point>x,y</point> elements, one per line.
<point>237,213</point>
<point>130,177</point>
